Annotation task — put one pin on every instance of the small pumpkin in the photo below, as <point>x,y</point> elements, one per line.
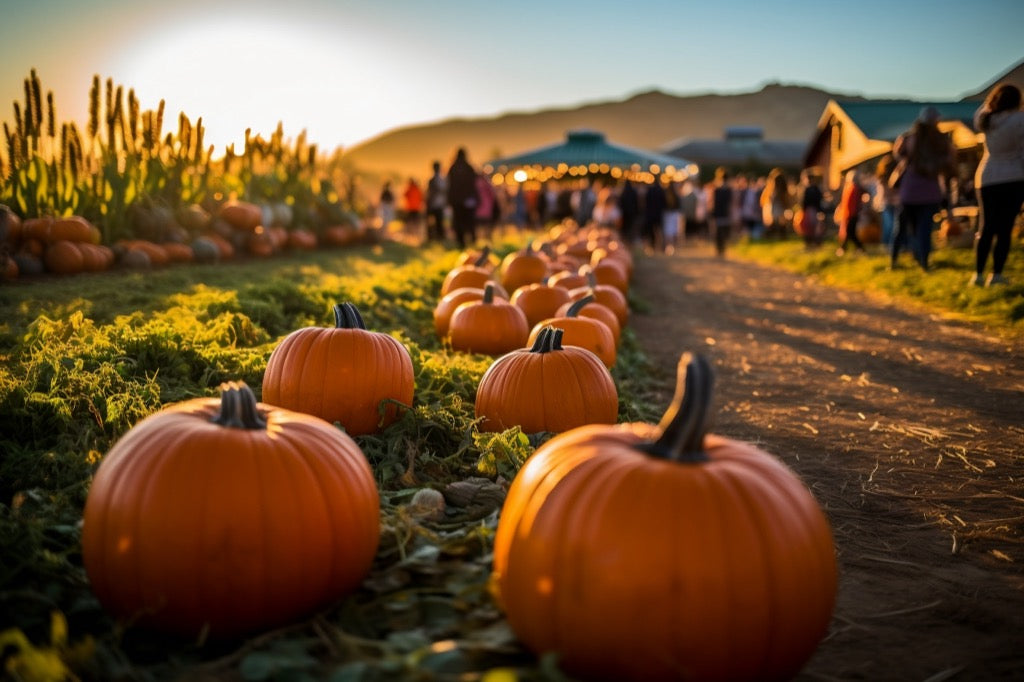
<point>606,294</point>
<point>449,302</point>
<point>64,258</point>
<point>474,275</point>
<point>228,516</point>
<point>546,388</point>
<point>523,267</point>
<point>72,229</point>
<point>585,332</point>
<point>491,326</point>
<point>343,374</point>
<point>642,552</point>
<point>539,300</point>
<point>241,215</point>
<point>597,311</point>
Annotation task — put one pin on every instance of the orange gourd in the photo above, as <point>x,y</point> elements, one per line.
<point>523,267</point>
<point>64,258</point>
<point>585,332</point>
<point>546,388</point>
<point>449,302</point>
<point>491,326</point>
<point>227,516</point>
<point>539,300</point>
<point>241,215</point>
<point>343,374</point>
<point>642,552</point>
<point>72,229</point>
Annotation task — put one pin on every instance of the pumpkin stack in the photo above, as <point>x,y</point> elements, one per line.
<point>64,245</point>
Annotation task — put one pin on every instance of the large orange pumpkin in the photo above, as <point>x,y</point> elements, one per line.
<point>228,516</point>
<point>343,374</point>
<point>642,552</point>
<point>546,388</point>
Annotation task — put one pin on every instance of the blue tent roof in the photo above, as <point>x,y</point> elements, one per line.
<point>588,147</point>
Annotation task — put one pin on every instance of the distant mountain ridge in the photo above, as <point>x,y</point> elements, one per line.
<point>649,120</point>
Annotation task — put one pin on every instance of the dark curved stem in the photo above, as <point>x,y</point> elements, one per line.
<point>238,407</point>
<point>685,423</point>
<point>575,308</point>
<point>548,339</point>
<point>346,316</point>
<point>488,293</point>
<point>485,253</point>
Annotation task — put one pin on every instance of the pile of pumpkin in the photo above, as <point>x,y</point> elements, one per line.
<point>633,551</point>
<point>69,245</point>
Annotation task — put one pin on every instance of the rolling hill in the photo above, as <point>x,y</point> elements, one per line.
<point>649,120</point>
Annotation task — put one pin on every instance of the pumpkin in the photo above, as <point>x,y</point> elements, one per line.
<point>301,239</point>
<point>205,250</point>
<point>72,229</point>
<point>610,272</point>
<point>474,275</point>
<point>449,302</point>
<point>605,294</point>
<point>37,228</point>
<point>491,326</point>
<point>546,388</point>
<point>241,215</point>
<point>340,235</point>
<point>64,258</point>
<point>228,516</point>
<point>642,552</point>
<point>484,258</point>
<point>585,332</point>
<point>597,311</point>
<point>343,374</point>
<point>178,252</point>
<point>568,279</point>
<point>539,300</point>
<point>136,259</point>
<point>523,267</point>
<point>10,226</point>
<point>28,264</point>
<point>260,243</point>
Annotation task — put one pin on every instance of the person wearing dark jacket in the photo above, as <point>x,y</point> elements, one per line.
<point>462,198</point>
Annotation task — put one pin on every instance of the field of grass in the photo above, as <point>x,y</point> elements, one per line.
<point>84,358</point>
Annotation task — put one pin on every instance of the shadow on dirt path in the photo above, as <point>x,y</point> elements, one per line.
<point>909,430</point>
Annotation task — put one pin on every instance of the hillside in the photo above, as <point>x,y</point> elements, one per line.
<point>649,120</point>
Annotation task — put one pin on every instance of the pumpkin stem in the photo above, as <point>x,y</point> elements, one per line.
<point>485,253</point>
<point>346,316</point>
<point>488,293</point>
<point>685,422</point>
<point>548,339</point>
<point>575,308</point>
<point>591,277</point>
<point>238,407</point>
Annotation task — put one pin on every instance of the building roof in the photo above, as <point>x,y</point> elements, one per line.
<point>586,148</point>
<point>739,151</point>
<point>889,119</point>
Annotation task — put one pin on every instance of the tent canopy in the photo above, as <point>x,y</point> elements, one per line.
<point>587,151</point>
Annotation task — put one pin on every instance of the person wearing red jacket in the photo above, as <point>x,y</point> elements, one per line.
<point>848,211</point>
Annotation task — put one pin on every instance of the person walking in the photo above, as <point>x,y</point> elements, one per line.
<point>928,159</point>
<point>999,178</point>
<point>812,201</point>
<point>848,212</point>
<point>413,199</point>
<point>462,198</point>
<point>437,199</point>
<point>720,206</point>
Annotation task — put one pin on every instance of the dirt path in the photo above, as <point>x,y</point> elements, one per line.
<point>909,429</point>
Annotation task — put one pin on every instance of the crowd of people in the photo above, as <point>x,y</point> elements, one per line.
<point>899,198</point>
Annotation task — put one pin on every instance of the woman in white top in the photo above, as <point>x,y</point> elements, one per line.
<point>1000,177</point>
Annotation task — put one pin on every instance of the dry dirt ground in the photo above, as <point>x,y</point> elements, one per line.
<point>909,430</point>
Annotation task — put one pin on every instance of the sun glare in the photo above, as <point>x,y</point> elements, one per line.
<point>238,75</point>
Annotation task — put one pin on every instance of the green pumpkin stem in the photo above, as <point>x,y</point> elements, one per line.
<point>548,339</point>
<point>575,308</point>
<point>346,316</point>
<point>686,420</point>
<point>238,408</point>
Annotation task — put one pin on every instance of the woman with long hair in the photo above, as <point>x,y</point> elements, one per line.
<point>929,157</point>
<point>999,178</point>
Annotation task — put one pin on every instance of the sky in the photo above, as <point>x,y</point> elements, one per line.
<point>347,71</point>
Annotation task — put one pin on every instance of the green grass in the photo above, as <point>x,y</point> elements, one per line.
<point>84,358</point>
<point>944,289</point>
